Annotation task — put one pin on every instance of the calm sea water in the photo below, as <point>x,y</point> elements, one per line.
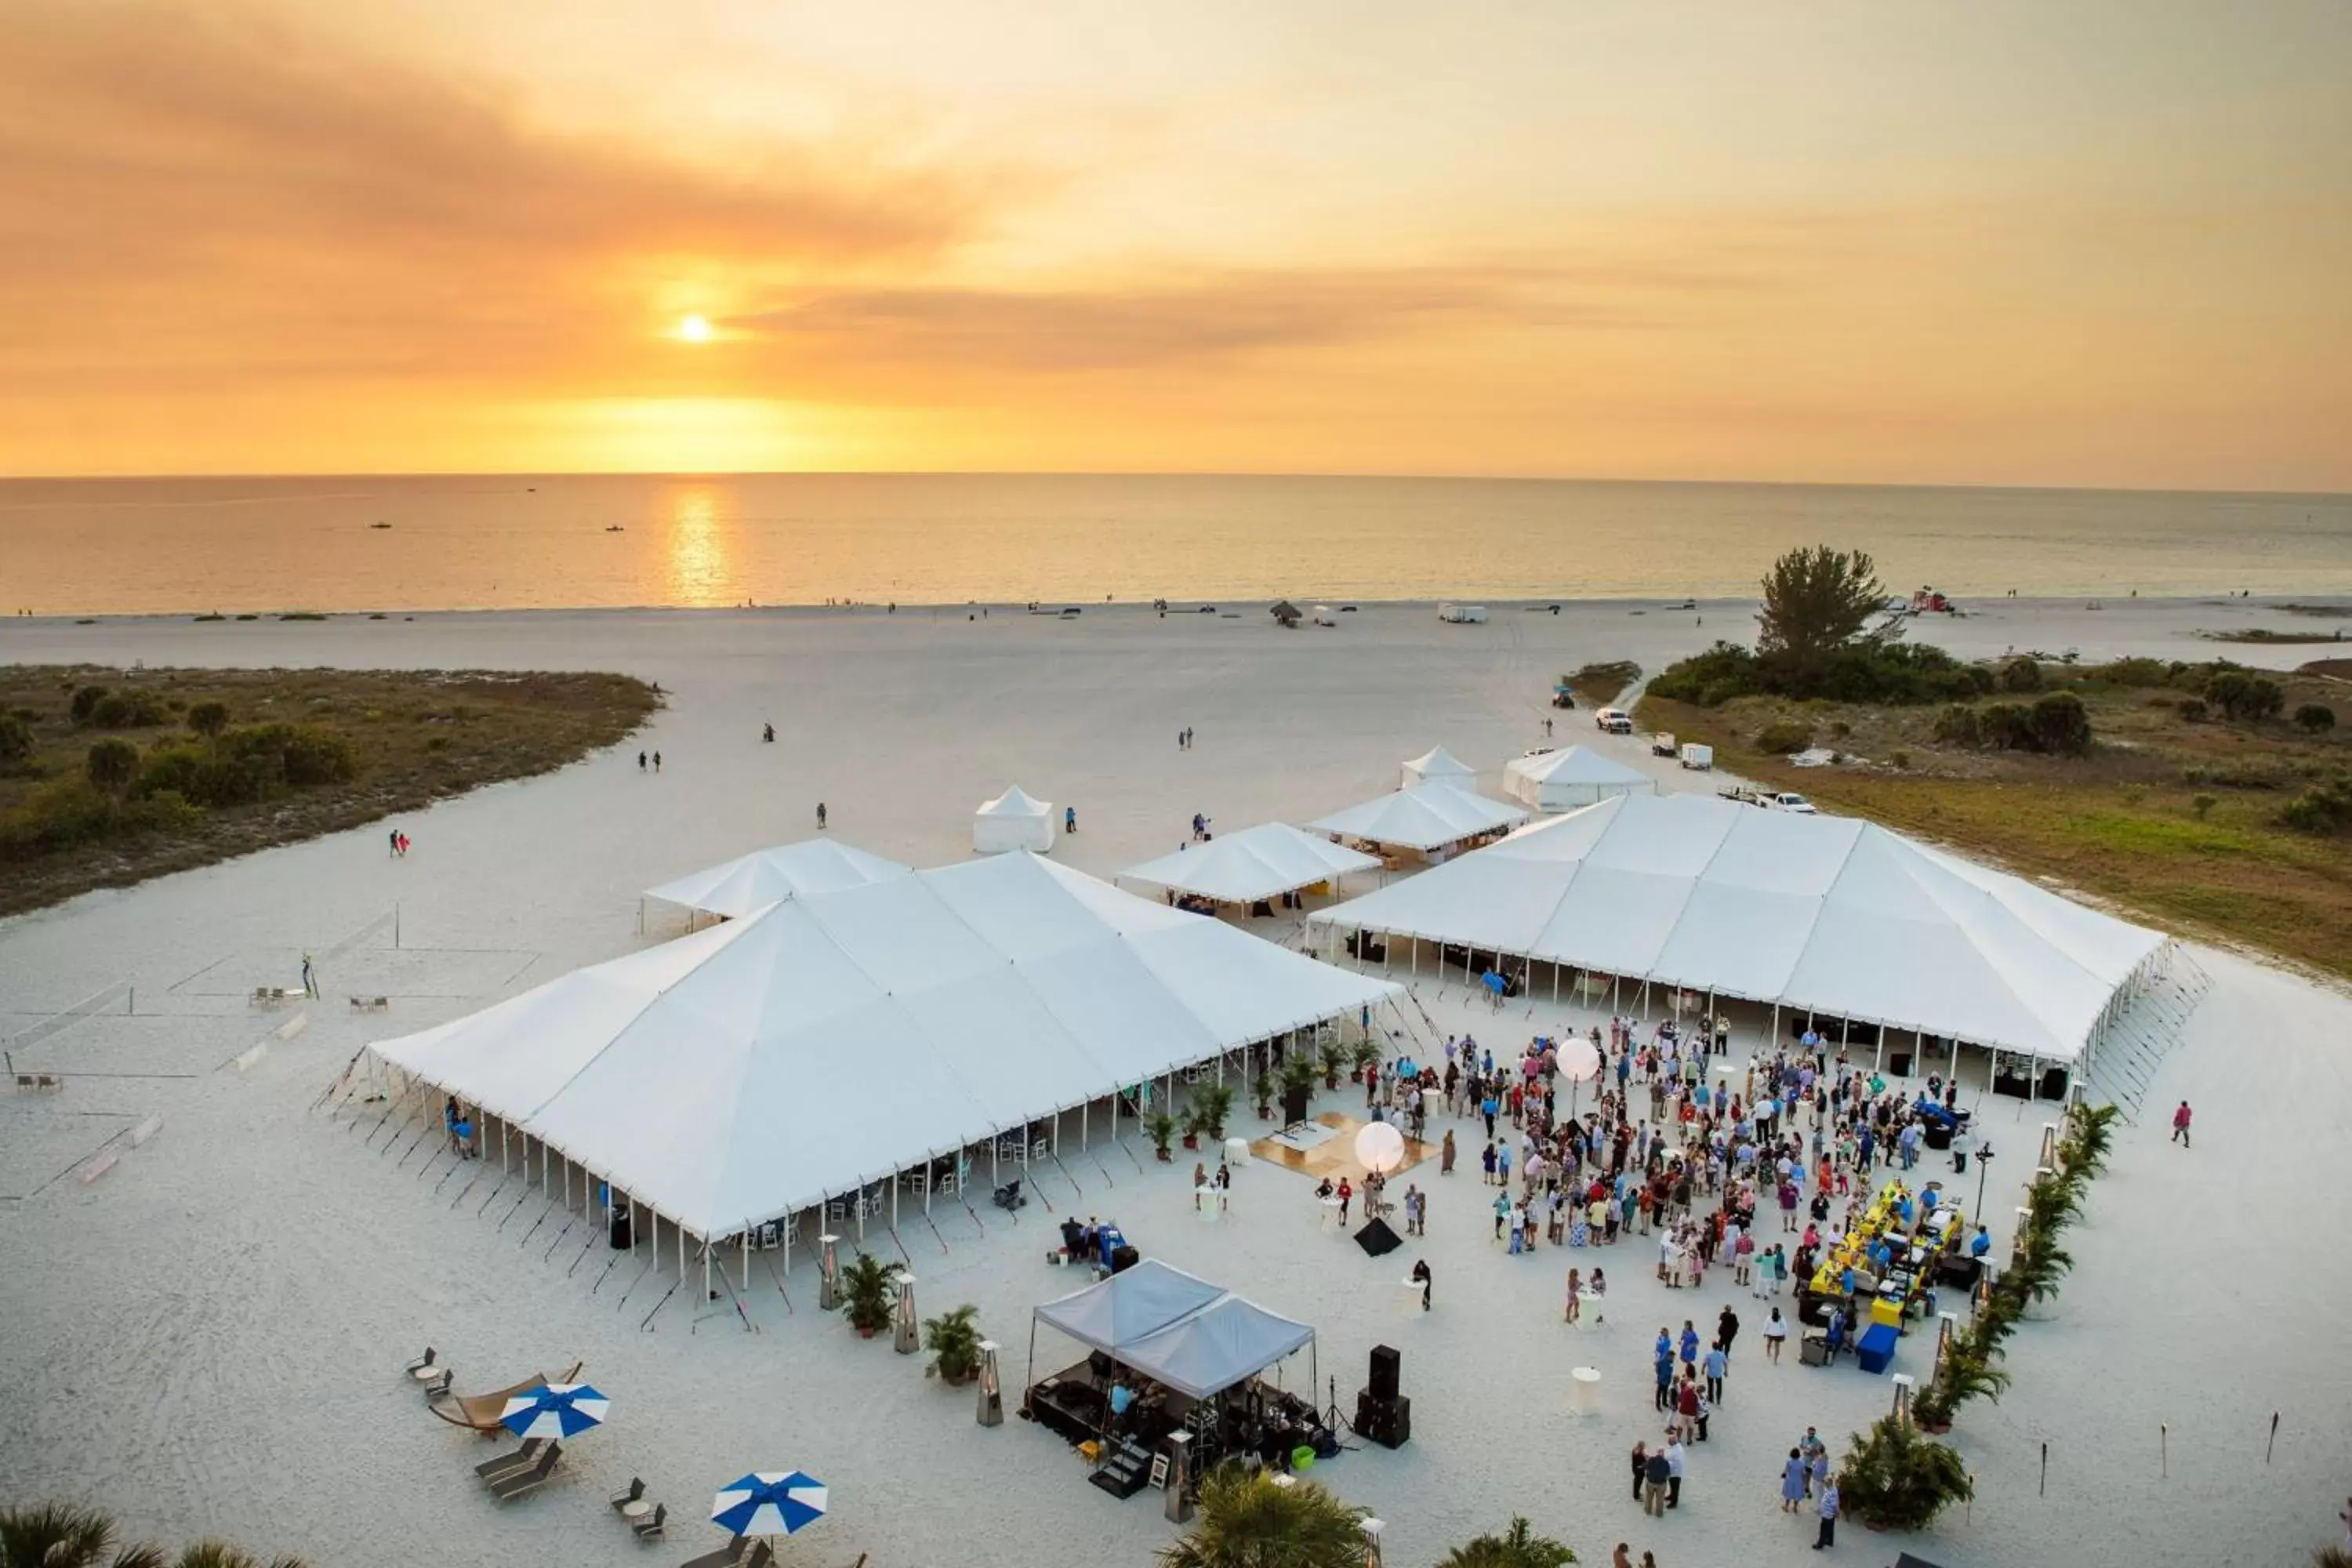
<point>120,546</point>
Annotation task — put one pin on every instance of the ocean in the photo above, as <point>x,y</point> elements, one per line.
<point>89,547</point>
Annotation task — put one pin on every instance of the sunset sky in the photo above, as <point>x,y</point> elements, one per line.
<point>2105,242</point>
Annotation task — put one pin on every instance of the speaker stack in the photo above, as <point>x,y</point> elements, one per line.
<point>1384,1415</point>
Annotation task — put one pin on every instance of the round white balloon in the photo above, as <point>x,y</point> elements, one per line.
<point>1578,1062</point>
<point>1379,1147</point>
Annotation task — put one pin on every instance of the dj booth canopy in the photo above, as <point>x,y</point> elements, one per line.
<point>1176,1329</point>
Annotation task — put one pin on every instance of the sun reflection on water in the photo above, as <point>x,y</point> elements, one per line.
<point>700,571</point>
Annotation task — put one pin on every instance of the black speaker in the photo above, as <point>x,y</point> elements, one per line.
<point>2054,1083</point>
<point>1899,1063</point>
<point>1386,1361</point>
<point>620,1230</point>
<point>1294,1104</point>
<point>1388,1421</point>
<point>1376,1239</point>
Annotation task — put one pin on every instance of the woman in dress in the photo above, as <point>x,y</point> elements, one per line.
<point>1793,1482</point>
<point>1776,1331</point>
<point>1445,1155</point>
<point>1575,1290</point>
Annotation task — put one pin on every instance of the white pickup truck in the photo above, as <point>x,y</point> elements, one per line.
<point>1771,800</point>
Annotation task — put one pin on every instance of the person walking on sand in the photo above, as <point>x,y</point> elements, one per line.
<point>1776,1332</point>
<point>1575,1294</point>
<point>1829,1507</point>
<point>641,762</point>
<point>1445,1154</point>
<point>2180,1125</point>
<point>392,844</point>
<point>1347,1195</point>
<point>1793,1482</point>
<point>656,762</point>
<point>1069,819</point>
<point>1640,1465</point>
<point>820,816</point>
<point>309,979</point>
<point>1656,1471</point>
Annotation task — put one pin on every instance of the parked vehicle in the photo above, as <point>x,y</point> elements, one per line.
<point>1697,756</point>
<point>1463,614</point>
<point>1790,800</point>
<point>1662,745</point>
<point>1615,721</point>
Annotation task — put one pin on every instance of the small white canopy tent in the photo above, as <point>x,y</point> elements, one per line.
<point>1013,820</point>
<point>764,877</point>
<point>1564,780</point>
<point>1174,1328</point>
<point>1424,817</point>
<point>726,1079</point>
<point>1261,862</point>
<point>1830,915</point>
<point>1438,765</point>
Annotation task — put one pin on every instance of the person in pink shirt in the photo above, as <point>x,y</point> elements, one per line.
<point>2180,1125</point>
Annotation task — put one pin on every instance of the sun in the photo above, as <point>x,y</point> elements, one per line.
<point>693,329</point>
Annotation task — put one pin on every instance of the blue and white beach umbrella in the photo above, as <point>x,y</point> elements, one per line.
<point>554,1410</point>
<point>769,1503</point>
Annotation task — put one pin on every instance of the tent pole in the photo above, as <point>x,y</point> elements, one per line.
<point>895,1184</point>
<point>1555,983</point>
<point>747,1259</point>
<point>1086,1115</point>
<point>705,1273</point>
<point>681,1251</point>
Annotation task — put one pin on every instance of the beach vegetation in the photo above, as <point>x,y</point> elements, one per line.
<point>2315,718</point>
<point>866,1294</point>
<point>58,1535</point>
<point>1817,602</point>
<point>953,1339</point>
<point>1244,1521</point>
<point>1299,1070</point>
<point>1335,1062</point>
<point>304,764</point>
<point>2240,694</point>
<point>2325,808</point>
<point>1518,1547</point>
<point>1895,1478</point>
<point>112,765</point>
<point>1212,1104</point>
<point>2021,675</point>
<point>1261,1094</point>
<point>1782,737</point>
<point>1600,682</point>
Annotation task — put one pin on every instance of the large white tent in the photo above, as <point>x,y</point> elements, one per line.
<point>1261,862</point>
<point>729,1077</point>
<point>1175,1327</point>
<point>1830,915</point>
<point>764,877</point>
<point>1013,820</point>
<point>1438,765</point>
<point>1425,817</point>
<point>1564,780</point>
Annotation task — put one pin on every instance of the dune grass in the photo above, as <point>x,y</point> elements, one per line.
<point>223,763</point>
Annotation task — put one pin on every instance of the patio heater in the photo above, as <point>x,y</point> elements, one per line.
<point>991,1412</point>
<point>1371,1529</point>
<point>1176,1494</point>
<point>1904,1383</point>
<point>828,1270</point>
<point>906,1337</point>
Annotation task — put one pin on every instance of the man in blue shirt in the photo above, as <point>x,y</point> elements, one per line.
<point>1980,1244</point>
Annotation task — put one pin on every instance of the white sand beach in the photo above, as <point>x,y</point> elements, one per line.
<point>209,1338</point>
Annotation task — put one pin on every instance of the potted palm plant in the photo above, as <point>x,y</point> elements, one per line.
<point>1210,1106</point>
<point>1261,1094</point>
<point>865,1289</point>
<point>1334,1058</point>
<point>1366,1055</point>
<point>1967,1372</point>
<point>1159,1127</point>
<point>1895,1478</point>
<point>954,1344</point>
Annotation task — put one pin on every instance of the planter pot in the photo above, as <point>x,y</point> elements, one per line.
<point>1937,1427</point>
<point>1191,1140</point>
<point>1331,1080</point>
<point>866,1334</point>
<point>1163,1155</point>
<point>959,1381</point>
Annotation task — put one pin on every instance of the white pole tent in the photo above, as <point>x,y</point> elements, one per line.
<point>1257,863</point>
<point>749,883</point>
<point>1013,820</point>
<point>1822,914</point>
<point>1175,1327</point>
<point>1565,780</point>
<point>1438,765</point>
<point>1424,817</point>
<point>727,1079</point>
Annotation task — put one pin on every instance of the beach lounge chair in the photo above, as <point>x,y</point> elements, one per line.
<point>520,1458</point>
<point>650,1527</point>
<point>762,1556</point>
<point>514,1483</point>
<point>727,1556</point>
<point>480,1412</point>
<point>623,1499</point>
<point>430,1358</point>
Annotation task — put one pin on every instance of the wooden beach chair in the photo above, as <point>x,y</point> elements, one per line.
<point>480,1412</point>
<point>514,1483</point>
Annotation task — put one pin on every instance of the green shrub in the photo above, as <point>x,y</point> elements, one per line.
<point>1840,730</point>
<point>86,702</point>
<point>1783,737</point>
<point>2203,805</point>
<point>132,709</point>
<point>1895,1478</point>
<point>208,719</point>
<point>2241,694</point>
<point>1957,725</point>
<point>2061,725</point>
<point>16,739</point>
<point>2193,710</point>
<point>1899,758</point>
<point>113,765</point>
<point>2021,675</point>
<point>2313,718</point>
<point>318,757</point>
<point>2323,808</point>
